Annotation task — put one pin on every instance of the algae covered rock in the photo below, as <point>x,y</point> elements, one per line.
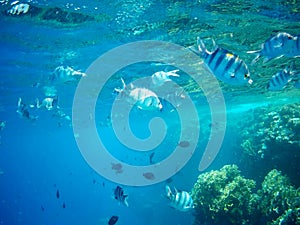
<point>280,201</point>
<point>224,197</point>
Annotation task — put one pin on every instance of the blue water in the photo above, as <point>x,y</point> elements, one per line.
<point>39,158</point>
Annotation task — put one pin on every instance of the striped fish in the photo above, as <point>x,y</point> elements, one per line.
<point>225,65</point>
<point>280,80</point>
<point>120,196</point>
<point>180,200</point>
<point>282,44</point>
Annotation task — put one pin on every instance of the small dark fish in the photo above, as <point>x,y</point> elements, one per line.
<point>64,205</point>
<point>120,196</point>
<point>57,194</point>
<point>42,208</point>
<point>113,220</point>
<point>184,144</point>
<point>151,158</point>
<point>103,184</point>
<point>117,167</point>
<point>149,176</point>
<point>94,181</point>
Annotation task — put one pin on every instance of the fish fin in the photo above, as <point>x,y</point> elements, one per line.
<point>125,201</point>
<point>201,47</point>
<point>123,83</point>
<point>195,50</point>
<point>119,90</point>
<point>168,192</point>
<point>173,73</point>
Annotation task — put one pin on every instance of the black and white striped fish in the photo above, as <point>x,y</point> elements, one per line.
<point>280,80</point>
<point>282,44</point>
<point>120,196</point>
<point>225,65</point>
<point>180,200</point>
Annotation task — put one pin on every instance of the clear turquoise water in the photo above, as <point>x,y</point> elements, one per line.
<point>38,158</point>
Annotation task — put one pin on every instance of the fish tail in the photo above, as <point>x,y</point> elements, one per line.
<point>168,192</point>
<point>173,73</point>
<point>201,47</point>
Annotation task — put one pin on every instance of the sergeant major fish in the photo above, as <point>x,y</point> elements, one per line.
<point>282,44</point>
<point>143,98</point>
<point>225,65</point>
<point>180,200</point>
<point>120,196</point>
<point>280,80</point>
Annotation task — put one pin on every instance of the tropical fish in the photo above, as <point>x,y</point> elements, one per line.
<point>23,110</point>
<point>49,103</point>
<point>120,196</point>
<point>225,65</point>
<point>161,77</point>
<point>2,125</point>
<point>65,74</point>
<point>113,220</point>
<point>280,80</point>
<point>57,194</point>
<point>18,9</point>
<point>143,98</point>
<point>282,44</point>
<point>180,200</point>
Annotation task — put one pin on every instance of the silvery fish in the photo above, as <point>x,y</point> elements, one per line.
<point>282,44</point>
<point>180,200</point>
<point>65,74</point>
<point>143,98</point>
<point>225,65</point>
<point>120,196</point>
<point>49,103</point>
<point>161,77</point>
<point>280,80</point>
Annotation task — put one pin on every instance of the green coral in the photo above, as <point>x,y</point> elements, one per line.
<point>280,201</point>
<point>224,197</point>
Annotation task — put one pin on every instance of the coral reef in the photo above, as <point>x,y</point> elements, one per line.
<point>224,197</point>
<point>270,137</point>
<point>272,130</point>
<point>279,201</point>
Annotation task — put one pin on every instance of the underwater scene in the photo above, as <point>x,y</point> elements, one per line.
<point>150,112</point>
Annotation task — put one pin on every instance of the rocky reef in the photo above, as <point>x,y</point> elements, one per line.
<point>225,197</point>
<point>270,138</point>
